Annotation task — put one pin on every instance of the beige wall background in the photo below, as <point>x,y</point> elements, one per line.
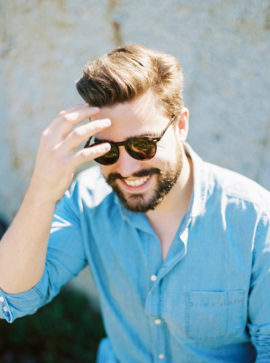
<point>222,45</point>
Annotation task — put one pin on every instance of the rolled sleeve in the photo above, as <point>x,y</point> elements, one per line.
<point>65,259</point>
<point>260,336</point>
<point>13,306</point>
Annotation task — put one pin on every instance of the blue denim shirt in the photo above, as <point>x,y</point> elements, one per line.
<point>208,301</point>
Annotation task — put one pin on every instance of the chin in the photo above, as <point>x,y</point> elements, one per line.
<point>138,202</point>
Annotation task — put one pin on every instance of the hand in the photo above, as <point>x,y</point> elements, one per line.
<point>57,159</point>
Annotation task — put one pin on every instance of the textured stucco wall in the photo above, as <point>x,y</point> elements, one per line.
<point>223,46</point>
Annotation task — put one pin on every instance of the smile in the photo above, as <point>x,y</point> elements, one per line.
<point>136,182</point>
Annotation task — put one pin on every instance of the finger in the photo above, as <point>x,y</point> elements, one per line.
<point>82,133</point>
<point>91,153</point>
<point>73,108</point>
<point>65,121</point>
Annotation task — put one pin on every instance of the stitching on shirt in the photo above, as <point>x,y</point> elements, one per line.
<point>229,326</point>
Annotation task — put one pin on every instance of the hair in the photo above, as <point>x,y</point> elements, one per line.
<point>128,72</point>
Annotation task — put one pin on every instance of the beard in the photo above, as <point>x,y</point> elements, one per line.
<point>166,179</point>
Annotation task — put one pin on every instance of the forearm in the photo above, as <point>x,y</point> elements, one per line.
<point>23,248</point>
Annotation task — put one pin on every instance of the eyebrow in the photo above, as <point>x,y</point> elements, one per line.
<point>145,134</point>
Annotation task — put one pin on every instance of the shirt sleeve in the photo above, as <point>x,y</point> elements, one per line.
<point>259,298</point>
<point>65,259</point>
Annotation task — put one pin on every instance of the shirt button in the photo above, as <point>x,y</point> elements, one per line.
<point>153,277</point>
<point>5,308</point>
<point>157,321</point>
<point>2,299</point>
<point>161,356</point>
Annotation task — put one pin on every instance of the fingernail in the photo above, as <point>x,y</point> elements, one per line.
<point>104,147</point>
<point>106,122</point>
<point>95,109</point>
<point>107,147</point>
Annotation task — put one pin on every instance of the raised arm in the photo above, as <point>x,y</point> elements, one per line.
<point>23,247</point>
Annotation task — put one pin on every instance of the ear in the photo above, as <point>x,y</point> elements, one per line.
<point>183,124</point>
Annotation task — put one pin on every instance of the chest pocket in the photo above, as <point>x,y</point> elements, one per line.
<point>214,314</point>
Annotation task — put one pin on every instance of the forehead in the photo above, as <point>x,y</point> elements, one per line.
<point>139,116</point>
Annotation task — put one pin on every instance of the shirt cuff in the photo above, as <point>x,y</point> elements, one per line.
<point>13,306</point>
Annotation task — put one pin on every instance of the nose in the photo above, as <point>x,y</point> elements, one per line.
<point>127,165</point>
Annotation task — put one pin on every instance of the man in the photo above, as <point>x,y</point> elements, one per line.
<point>179,249</point>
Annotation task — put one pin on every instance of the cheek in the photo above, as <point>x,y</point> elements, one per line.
<point>168,157</point>
<point>166,153</point>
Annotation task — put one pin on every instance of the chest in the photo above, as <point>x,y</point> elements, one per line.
<point>165,244</point>
<point>166,232</point>
<point>194,291</point>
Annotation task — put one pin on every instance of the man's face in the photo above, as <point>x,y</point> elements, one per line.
<point>141,185</point>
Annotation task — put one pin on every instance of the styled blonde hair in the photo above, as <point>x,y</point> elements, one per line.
<point>130,71</point>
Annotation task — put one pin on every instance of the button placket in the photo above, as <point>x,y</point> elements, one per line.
<point>152,308</point>
<point>5,308</point>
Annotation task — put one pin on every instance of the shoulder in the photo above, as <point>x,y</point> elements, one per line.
<point>90,187</point>
<point>91,178</point>
<point>238,188</point>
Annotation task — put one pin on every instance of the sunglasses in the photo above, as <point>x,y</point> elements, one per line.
<point>138,147</point>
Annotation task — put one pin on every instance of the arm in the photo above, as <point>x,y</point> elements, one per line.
<point>259,298</point>
<point>23,248</point>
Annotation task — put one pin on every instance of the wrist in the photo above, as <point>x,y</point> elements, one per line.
<point>39,197</point>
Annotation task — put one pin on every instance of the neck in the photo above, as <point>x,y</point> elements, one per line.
<point>176,202</point>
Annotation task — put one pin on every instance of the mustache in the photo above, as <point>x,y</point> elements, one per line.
<point>145,172</point>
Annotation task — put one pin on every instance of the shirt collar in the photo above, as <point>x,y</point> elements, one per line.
<point>200,183</point>
<point>136,219</point>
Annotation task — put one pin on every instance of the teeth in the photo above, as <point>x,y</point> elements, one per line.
<point>137,182</point>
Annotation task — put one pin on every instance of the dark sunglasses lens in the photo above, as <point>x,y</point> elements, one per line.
<point>110,157</point>
<point>141,148</point>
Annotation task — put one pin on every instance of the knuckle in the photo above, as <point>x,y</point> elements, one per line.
<point>77,133</point>
<point>45,138</point>
<point>95,151</point>
<point>65,117</point>
<point>54,151</point>
<point>99,150</point>
<point>44,134</point>
<point>100,124</point>
<point>84,157</point>
<point>71,117</point>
